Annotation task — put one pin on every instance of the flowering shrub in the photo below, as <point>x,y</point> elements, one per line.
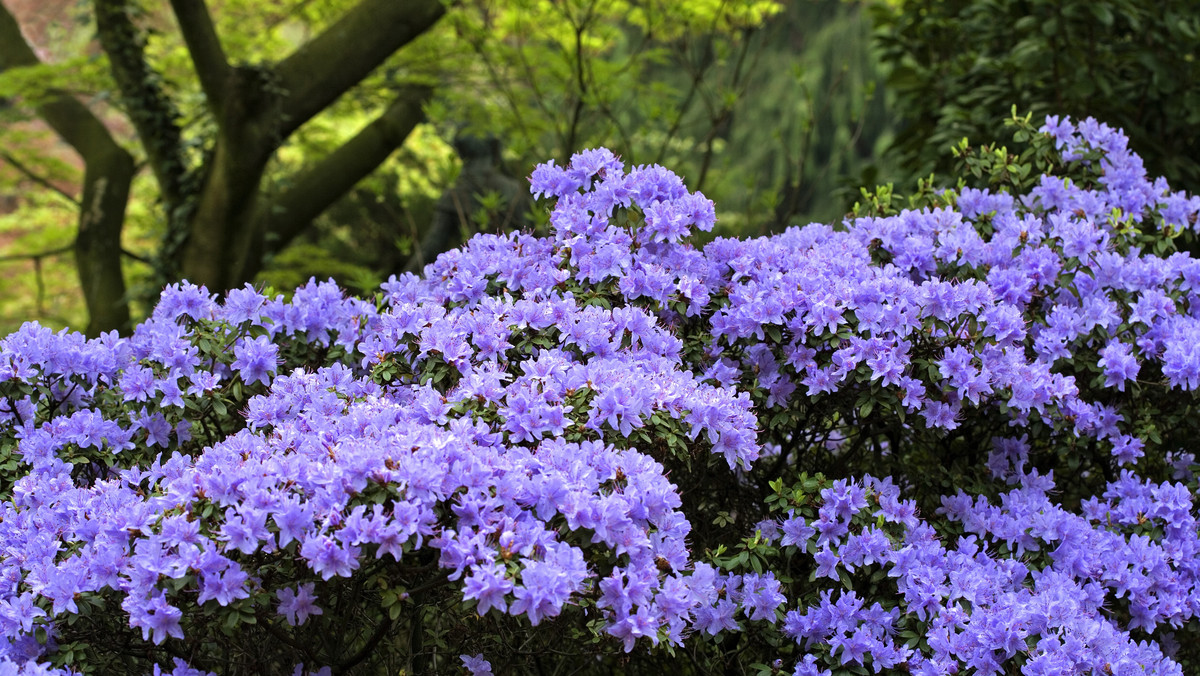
<point>952,437</point>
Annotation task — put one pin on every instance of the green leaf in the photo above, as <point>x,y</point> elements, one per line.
<point>845,578</point>
<point>865,409</point>
<point>1101,11</point>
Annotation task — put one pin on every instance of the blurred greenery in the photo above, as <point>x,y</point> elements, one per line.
<point>959,66</point>
<point>779,111</point>
<point>772,109</point>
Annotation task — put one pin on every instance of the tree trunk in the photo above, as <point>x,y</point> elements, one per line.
<point>107,175</point>
<point>98,243</point>
<point>223,233</point>
<point>261,107</point>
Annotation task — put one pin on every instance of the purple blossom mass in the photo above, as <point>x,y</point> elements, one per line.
<point>952,439</point>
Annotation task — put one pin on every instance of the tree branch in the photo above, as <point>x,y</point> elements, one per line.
<point>324,68</point>
<point>40,180</point>
<point>367,649</point>
<point>331,178</point>
<point>137,257</point>
<point>204,48</point>
<point>35,255</point>
<point>152,112</point>
<point>14,51</point>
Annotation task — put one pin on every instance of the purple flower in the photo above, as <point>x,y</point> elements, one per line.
<point>632,627</point>
<point>181,668</point>
<point>545,587</point>
<point>157,619</point>
<point>796,532</point>
<point>297,606</point>
<point>943,415</point>
<point>329,558</point>
<point>551,181</point>
<point>827,562</point>
<point>255,359</point>
<point>761,596</point>
<point>714,619</point>
<point>488,586</point>
<point>476,665</point>
<point>221,580</point>
<point>1118,364</point>
<point>137,383</point>
<point>808,667</point>
<point>242,305</point>
<point>1060,129</point>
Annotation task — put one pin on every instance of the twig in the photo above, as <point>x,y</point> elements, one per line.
<point>40,180</point>
<point>40,302</point>
<point>280,635</point>
<point>368,648</point>
<point>39,254</point>
<point>137,257</point>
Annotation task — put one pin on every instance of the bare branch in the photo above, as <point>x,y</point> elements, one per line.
<point>37,178</point>
<point>38,255</point>
<point>137,257</point>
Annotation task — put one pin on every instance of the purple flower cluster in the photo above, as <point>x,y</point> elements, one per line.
<point>812,312</point>
<point>975,604</point>
<point>509,417</point>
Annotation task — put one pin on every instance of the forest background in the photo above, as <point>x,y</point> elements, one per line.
<point>268,142</point>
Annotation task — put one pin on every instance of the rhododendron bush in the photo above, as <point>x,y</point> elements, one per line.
<point>954,438</point>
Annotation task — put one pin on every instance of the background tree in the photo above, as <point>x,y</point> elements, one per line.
<point>219,219</point>
<point>107,175</point>
<point>772,109</point>
<point>815,122</point>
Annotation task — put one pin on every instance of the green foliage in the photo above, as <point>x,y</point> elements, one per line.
<point>958,65</point>
<point>35,83</point>
<point>36,275</point>
<point>560,77</point>
<point>813,124</point>
<point>297,264</point>
<point>772,109</point>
